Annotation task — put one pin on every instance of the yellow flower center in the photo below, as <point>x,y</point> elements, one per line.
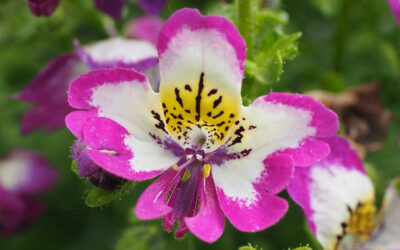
<point>199,113</point>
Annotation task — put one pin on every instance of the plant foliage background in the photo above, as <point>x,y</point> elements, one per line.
<point>297,46</point>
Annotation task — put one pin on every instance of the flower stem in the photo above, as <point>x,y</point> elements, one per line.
<point>341,35</point>
<point>245,22</point>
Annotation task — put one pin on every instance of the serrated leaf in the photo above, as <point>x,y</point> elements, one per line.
<point>98,197</point>
<point>267,66</point>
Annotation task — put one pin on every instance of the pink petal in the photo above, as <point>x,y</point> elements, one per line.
<point>151,204</point>
<point>257,215</point>
<point>209,223</point>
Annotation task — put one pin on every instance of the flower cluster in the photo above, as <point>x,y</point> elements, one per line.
<point>174,111</point>
<point>23,176</point>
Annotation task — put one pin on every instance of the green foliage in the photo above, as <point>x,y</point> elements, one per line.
<point>98,197</point>
<point>302,248</point>
<point>397,186</point>
<point>143,237</point>
<point>74,167</point>
<point>249,247</point>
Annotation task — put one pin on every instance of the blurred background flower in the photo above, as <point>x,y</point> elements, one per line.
<point>23,176</point>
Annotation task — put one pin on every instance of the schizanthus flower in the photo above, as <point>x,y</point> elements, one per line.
<point>218,158</point>
<point>338,199</point>
<point>23,176</point>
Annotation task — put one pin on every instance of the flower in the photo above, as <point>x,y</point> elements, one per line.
<point>47,91</point>
<point>96,175</point>
<point>360,110</point>
<point>218,158</point>
<point>43,7</point>
<point>395,8</point>
<point>113,8</point>
<point>23,176</point>
<point>338,199</point>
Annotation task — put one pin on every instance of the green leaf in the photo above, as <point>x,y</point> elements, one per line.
<point>98,197</point>
<point>142,237</point>
<point>249,247</point>
<point>267,66</point>
<point>326,7</point>
<point>302,248</point>
<point>74,167</point>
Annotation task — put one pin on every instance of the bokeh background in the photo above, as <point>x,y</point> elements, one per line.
<point>344,43</point>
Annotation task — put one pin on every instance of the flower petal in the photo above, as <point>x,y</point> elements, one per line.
<point>289,124</point>
<point>242,184</point>
<point>152,6</point>
<point>125,97</point>
<point>116,151</point>
<point>386,236</point>
<point>201,64</point>
<point>209,223</point>
<point>151,204</point>
<point>327,190</point>
<point>260,213</point>
<point>26,173</point>
<point>119,52</point>
<point>52,82</point>
<point>112,8</point>
<point>43,7</point>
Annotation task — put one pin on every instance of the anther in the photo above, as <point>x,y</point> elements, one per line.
<point>206,170</point>
<point>175,167</point>
<point>189,157</point>
<point>199,157</point>
<point>185,177</point>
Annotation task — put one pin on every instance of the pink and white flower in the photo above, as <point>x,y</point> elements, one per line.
<point>218,158</point>
<point>48,90</point>
<point>338,199</point>
<point>23,176</point>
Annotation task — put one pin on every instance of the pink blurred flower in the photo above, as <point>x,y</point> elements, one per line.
<point>43,7</point>
<point>112,8</point>
<point>48,90</point>
<point>395,7</point>
<point>218,158</point>
<point>23,176</point>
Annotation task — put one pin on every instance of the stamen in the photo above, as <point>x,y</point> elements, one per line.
<point>185,177</point>
<point>175,167</point>
<point>206,170</point>
<point>189,157</point>
<point>199,157</point>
